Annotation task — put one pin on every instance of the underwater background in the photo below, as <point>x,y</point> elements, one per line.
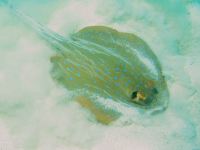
<point>37,114</point>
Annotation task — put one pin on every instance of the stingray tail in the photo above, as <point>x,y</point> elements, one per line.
<point>45,33</point>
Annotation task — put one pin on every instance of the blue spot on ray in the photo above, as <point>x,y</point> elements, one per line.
<point>115,77</point>
<point>128,83</point>
<point>107,71</point>
<point>70,69</point>
<point>117,84</point>
<point>124,70</point>
<point>138,85</point>
<point>110,97</point>
<point>78,74</point>
<point>123,75</point>
<point>117,69</point>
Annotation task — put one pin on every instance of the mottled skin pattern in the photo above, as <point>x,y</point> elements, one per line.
<point>111,64</point>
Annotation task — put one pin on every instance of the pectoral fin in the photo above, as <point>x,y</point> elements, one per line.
<point>102,114</point>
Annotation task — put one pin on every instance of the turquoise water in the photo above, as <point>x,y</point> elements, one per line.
<point>36,112</point>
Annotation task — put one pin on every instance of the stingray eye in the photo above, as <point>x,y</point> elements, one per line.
<point>138,97</point>
<point>134,94</point>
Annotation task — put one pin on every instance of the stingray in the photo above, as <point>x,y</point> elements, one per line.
<point>99,61</point>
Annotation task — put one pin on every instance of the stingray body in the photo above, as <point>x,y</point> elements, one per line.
<point>101,61</point>
<point>111,64</point>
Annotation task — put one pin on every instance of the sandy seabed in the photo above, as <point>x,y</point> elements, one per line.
<point>35,113</point>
